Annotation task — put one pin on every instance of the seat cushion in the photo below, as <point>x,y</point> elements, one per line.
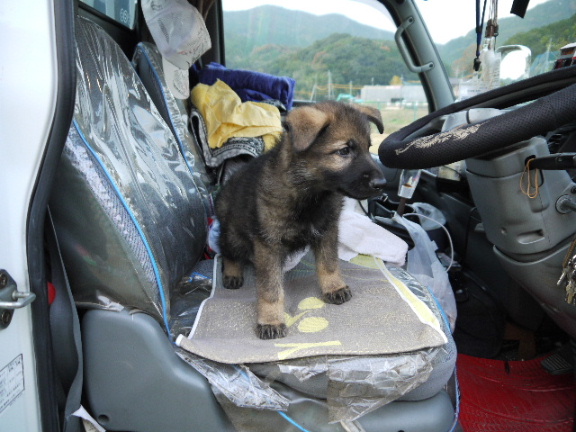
<point>352,384</point>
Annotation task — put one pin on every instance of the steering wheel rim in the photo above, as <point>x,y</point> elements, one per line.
<point>401,150</point>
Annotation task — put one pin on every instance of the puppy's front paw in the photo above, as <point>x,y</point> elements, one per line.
<point>233,282</point>
<point>271,331</point>
<point>233,274</point>
<point>339,296</point>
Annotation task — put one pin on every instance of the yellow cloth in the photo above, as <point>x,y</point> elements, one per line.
<point>226,116</point>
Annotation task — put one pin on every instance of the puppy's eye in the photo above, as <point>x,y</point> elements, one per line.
<point>344,151</point>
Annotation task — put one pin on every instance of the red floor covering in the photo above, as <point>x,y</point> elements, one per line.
<point>518,396</point>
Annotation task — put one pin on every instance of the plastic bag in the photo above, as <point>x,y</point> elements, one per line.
<point>424,266</point>
<point>434,216</point>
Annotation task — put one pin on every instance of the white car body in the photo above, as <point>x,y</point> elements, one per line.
<point>28,77</point>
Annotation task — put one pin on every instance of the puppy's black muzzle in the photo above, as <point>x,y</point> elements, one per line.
<point>365,181</point>
<point>373,175</point>
<point>378,183</point>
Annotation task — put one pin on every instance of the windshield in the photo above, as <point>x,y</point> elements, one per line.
<point>510,48</point>
<point>335,50</point>
<point>345,49</point>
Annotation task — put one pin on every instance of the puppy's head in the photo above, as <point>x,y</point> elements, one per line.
<point>329,142</point>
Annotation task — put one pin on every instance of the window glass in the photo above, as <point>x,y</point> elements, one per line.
<point>521,47</point>
<point>121,11</point>
<point>338,50</point>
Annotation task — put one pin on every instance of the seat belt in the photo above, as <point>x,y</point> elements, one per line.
<point>65,328</point>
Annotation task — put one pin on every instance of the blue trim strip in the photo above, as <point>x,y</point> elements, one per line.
<point>440,308</point>
<point>138,228</point>
<point>291,421</point>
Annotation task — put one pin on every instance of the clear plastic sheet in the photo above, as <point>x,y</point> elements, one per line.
<point>308,414</point>
<point>148,62</point>
<point>186,299</point>
<point>346,387</point>
<point>357,386</point>
<point>304,369</point>
<point>237,383</point>
<point>127,211</point>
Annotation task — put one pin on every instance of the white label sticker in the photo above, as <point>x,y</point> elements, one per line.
<point>11,382</point>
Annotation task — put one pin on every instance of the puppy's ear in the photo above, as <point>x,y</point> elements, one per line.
<point>373,115</point>
<point>304,124</point>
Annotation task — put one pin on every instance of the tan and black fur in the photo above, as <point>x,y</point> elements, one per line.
<point>291,197</point>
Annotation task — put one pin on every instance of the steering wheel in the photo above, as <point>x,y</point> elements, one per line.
<point>417,146</point>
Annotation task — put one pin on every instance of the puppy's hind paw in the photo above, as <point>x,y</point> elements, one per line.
<point>233,282</point>
<point>339,296</point>
<point>271,331</point>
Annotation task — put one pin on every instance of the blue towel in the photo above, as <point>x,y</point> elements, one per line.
<point>250,85</point>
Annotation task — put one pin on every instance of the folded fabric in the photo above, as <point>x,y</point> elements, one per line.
<point>226,116</point>
<point>250,85</point>
<point>359,235</point>
<point>214,157</point>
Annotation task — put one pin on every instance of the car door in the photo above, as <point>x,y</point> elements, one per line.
<point>30,118</point>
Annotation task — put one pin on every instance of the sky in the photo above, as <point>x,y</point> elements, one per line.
<point>443,30</point>
<point>434,12</point>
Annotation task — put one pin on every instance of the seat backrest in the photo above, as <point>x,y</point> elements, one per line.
<point>147,61</point>
<point>128,212</point>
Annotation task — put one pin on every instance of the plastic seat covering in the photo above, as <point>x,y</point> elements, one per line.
<point>148,64</point>
<point>130,216</point>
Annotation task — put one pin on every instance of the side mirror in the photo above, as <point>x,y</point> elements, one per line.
<point>514,63</point>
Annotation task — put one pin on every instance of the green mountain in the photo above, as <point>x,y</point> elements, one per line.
<point>459,53</point>
<point>263,33</point>
<point>279,26</point>
<point>551,37</point>
<point>342,59</point>
<point>335,50</point>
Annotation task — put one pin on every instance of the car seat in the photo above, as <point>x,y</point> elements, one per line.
<point>131,219</point>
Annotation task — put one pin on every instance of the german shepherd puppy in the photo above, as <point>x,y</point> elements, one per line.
<point>291,197</point>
